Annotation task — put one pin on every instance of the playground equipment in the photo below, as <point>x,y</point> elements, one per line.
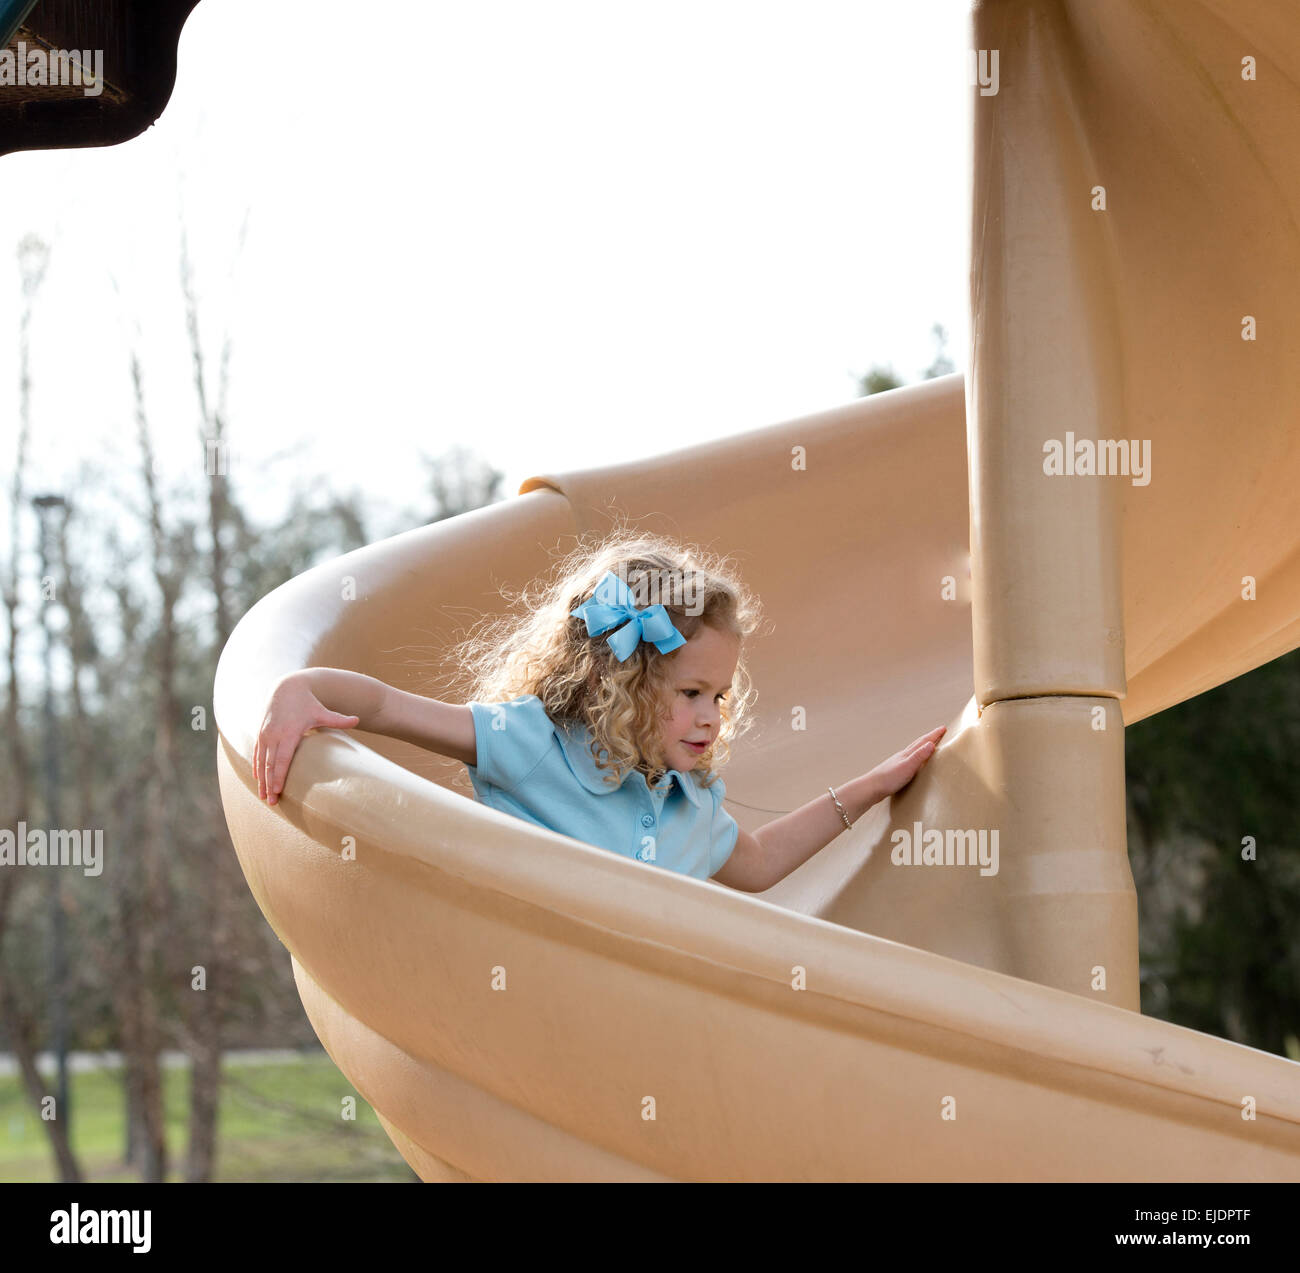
<point>1135,204</point>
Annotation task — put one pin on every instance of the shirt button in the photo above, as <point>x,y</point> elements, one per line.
<point>647,819</point>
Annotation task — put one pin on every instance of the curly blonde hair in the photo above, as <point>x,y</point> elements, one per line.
<point>540,648</point>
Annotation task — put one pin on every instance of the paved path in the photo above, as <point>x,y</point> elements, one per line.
<point>80,1062</point>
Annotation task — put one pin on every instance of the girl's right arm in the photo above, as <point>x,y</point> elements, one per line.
<point>299,703</point>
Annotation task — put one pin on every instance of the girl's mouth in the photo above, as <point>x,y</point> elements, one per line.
<point>697,748</point>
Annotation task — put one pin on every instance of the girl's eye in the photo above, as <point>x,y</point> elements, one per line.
<point>693,693</point>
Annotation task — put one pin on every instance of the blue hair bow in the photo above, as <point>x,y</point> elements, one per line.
<point>612,603</point>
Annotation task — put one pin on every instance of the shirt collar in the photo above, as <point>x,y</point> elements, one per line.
<point>575,740</point>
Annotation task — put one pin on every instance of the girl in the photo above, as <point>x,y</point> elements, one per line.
<point>603,710</point>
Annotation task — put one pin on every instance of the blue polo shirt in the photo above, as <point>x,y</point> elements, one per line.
<point>543,771</point>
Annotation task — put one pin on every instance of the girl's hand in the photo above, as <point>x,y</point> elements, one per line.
<point>895,773</point>
<point>293,710</point>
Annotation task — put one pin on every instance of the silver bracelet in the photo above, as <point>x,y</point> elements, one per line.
<point>840,807</point>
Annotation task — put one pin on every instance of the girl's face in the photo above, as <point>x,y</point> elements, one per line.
<point>699,678</point>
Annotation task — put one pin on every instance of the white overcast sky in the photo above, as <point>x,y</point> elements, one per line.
<point>562,234</point>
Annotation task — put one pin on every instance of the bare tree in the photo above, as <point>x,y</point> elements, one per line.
<point>213,859</point>
<point>460,480</point>
<point>144,899</point>
<point>33,259</point>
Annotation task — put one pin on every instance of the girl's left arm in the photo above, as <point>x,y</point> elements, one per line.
<point>768,855</point>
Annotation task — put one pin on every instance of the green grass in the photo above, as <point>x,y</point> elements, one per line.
<point>280,1122</point>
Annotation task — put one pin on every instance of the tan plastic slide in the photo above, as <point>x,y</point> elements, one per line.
<point>516,1005</point>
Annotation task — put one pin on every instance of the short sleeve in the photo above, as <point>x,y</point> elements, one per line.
<point>510,740</point>
<point>724,830</point>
